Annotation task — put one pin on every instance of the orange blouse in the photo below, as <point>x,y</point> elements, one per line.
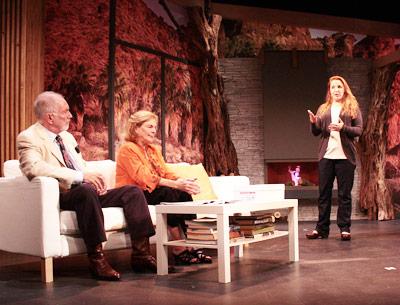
<point>141,168</point>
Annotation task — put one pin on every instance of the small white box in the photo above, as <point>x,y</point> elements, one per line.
<point>261,192</point>
<point>225,186</point>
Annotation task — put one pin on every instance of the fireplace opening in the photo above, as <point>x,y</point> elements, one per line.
<point>278,172</point>
<point>289,172</point>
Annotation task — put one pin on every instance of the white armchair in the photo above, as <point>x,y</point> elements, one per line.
<point>31,221</point>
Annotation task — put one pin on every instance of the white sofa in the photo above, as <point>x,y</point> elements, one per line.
<point>32,223</point>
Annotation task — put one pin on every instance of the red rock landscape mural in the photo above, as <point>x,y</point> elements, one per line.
<point>76,60</point>
<point>76,56</point>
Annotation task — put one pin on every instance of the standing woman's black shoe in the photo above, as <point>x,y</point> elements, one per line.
<point>345,236</point>
<point>315,235</point>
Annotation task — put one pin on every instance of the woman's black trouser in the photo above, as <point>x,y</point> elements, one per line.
<point>343,170</point>
<point>168,194</point>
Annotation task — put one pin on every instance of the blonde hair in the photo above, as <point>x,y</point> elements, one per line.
<point>350,104</point>
<point>136,120</point>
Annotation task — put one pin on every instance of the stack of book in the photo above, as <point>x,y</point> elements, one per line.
<point>204,231</point>
<point>201,230</point>
<point>256,225</point>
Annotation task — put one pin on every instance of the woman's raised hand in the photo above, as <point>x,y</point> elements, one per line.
<point>312,116</point>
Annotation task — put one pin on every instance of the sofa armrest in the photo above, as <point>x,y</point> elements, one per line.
<point>30,216</point>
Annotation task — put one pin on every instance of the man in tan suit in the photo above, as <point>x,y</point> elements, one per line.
<point>47,149</point>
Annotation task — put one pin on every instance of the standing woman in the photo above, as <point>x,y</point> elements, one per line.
<point>338,122</point>
<point>141,163</point>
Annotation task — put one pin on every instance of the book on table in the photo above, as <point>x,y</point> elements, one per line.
<point>210,236</point>
<point>201,230</point>
<point>202,233</point>
<point>254,222</point>
<point>258,223</point>
<point>255,226</point>
<point>255,232</point>
<point>203,219</point>
<point>201,236</point>
<point>255,217</point>
<point>205,229</point>
<point>206,225</point>
<point>249,221</point>
<point>233,237</point>
<point>202,223</point>
<point>199,202</point>
<point>261,213</point>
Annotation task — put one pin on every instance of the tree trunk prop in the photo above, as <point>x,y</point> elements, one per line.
<point>374,195</point>
<point>219,151</point>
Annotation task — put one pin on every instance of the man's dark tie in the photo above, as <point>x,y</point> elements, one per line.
<point>65,154</point>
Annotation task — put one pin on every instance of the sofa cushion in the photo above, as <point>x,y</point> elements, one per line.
<point>195,171</point>
<point>113,220</point>
<point>106,168</point>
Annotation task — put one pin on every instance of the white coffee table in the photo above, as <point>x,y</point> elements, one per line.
<point>222,212</point>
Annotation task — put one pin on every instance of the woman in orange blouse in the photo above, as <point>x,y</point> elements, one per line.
<point>140,162</point>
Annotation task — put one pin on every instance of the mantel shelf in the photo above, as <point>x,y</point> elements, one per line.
<point>305,192</point>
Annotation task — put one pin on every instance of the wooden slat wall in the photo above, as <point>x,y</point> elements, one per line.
<point>21,67</point>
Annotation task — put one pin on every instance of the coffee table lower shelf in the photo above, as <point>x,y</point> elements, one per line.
<point>234,243</point>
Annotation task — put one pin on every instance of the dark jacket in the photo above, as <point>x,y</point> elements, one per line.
<point>352,129</point>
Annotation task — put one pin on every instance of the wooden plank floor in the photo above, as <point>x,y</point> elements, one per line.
<point>329,272</point>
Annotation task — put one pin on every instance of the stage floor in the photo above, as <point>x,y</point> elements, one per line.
<point>330,272</point>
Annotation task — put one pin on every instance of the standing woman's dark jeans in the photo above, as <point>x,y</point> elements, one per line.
<point>168,194</point>
<point>343,170</point>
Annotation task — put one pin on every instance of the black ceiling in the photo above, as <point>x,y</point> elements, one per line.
<point>378,11</point>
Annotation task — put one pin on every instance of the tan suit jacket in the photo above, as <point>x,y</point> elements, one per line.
<point>38,156</point>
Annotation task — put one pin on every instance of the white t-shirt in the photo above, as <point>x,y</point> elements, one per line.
<point>335,149</point>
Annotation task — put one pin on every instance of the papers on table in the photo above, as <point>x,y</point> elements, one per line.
<point>200,202</point>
